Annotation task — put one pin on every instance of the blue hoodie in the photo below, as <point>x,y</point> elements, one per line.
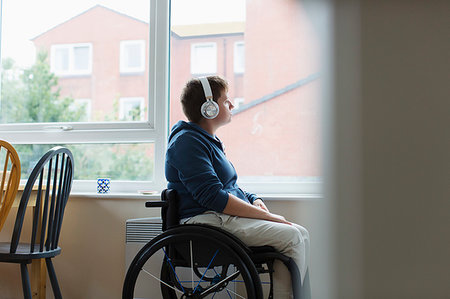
<point>197,168</point>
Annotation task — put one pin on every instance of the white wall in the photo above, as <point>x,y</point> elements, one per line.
<point>387,162</point>
<point>92,261</point>
<point>394,68</point>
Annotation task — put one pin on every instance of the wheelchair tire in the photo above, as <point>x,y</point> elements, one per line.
<point>221,269</point>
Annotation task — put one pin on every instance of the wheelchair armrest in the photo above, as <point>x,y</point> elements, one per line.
<point>156,204</point>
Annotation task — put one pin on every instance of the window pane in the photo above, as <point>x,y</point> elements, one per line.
<point>81,58</point>
<point>239,57</point>
<point>61,60</point>
<point>131,108</point>
<point>115,161</point>
<point>203,58</point>
<point>54,52</point>
<point>275,132</point>
<point>133,55</point>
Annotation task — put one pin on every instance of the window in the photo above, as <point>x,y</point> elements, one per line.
<point>274,137</point>
<point>239,57</point>
<point>71,59</point>
<point>84,107</point>
<point>132,56</point>
<point>47,99</point>
<point>238,102</point>
<point>67,86</point>
<point>204,58</point>
<point>131,109</point>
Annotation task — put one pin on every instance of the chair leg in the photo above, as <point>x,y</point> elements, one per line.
<point>25,281</point>
<point>53,279</point>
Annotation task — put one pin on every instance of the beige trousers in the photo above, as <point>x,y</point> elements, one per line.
<point>291,240</point>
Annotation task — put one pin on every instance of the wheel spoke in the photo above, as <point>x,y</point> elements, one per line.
<point>210,262</point>
<point>173,269</point>
<point>234,293</point>
<point>218,284</point>
<point>175,289</point>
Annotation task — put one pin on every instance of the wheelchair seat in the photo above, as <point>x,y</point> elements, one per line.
<point>201,261</point>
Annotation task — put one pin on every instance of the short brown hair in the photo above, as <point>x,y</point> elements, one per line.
<point>193,96</point>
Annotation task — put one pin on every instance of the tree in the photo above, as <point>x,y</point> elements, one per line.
<point>32,95</point>
<point>35,97</point>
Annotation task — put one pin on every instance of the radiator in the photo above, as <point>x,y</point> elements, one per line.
<point>138,233</point>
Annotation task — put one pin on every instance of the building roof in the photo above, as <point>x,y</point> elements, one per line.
<point>208,29</point>
<point>98,6</point>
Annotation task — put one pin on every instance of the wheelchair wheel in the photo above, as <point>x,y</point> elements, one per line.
<point>189,265</point>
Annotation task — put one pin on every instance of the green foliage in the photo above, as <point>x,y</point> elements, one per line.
<point>32,95</point>
<point>35,95</point>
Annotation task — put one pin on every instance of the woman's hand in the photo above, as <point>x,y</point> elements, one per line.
<point>260,204</point>
<point>237,207</point>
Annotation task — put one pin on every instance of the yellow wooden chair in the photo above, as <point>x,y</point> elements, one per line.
<point>9,178</point>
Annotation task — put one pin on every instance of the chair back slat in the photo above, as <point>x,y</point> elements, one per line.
<point>5,171</point>
<point>9,179</point>
<point>59,204</point>
<point>37,214</point>
<point>65,197</point>
<point>45,209</point>
<point>55,168</point>
<point>51,216</point>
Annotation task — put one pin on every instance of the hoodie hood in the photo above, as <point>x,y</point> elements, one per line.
<point>183,126</point>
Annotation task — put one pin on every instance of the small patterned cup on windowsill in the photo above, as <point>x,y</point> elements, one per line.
<point>103,185</point>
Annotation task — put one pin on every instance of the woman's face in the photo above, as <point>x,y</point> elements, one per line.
<point>225,108</point>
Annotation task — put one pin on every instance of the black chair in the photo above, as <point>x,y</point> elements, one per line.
<point>51,182</point>
<point>200,261</point>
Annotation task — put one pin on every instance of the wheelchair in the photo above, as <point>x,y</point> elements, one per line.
<point>200,261</point>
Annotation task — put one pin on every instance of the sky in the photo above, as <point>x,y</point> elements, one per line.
<point>24,19</point>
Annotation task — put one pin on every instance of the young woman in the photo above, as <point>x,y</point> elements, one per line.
<point>205,180</point>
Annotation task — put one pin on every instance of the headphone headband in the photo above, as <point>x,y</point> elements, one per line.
<point>206,88</point>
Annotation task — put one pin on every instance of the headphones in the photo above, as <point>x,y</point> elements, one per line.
<point>209,109</point>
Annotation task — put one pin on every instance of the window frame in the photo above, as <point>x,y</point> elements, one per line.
<point>155,130</point>
<point>71,70</point>
<point>125,69</point>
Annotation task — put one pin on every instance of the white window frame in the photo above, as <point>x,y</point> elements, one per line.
<point>71,71</point>
<point>238,68</point>
<point>198,69</point>
<point>123,101</point>
<point>155,130</point>
<point>124,68</point>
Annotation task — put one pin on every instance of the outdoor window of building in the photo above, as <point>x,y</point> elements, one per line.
<point>239,57</point>
<point>132,56</point>
<point>204,58</point>
<point>84,107</point>
<point>71,59</point>
<point>238,102</point>
<point>131,108</point>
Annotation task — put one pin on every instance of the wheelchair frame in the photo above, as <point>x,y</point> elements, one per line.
<point>178,243</point>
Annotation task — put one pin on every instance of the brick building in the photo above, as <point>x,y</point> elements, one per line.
<point>270,62</point>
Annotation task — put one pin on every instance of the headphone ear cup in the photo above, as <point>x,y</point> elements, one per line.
<point>210,109</point>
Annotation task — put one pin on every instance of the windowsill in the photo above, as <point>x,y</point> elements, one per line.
<point>156,196</point>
